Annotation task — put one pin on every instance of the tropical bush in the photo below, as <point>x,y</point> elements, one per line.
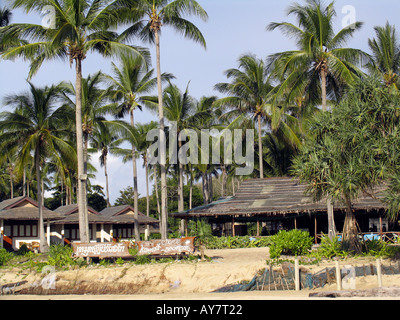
<point>236,242</point>
<point>293,242</point>
<point>5,256</point>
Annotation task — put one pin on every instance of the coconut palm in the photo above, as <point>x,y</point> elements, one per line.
<point>149,17</point>
<point>321,67</point>
<point>129,84</point>
<point>104,141</point>
<point>249,92</point>
<point>386,54</point>
<point>180,108</point>
<point>5,17</point>
<point>37,126</point>
<point>80,27</point>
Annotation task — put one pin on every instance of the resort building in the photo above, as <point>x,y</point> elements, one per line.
<point>19,224</point>
<point>280,203</point>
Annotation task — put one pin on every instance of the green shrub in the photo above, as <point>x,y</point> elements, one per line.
<point>5,256</point>
<point>60,256</point>
<point>379,248</point>
<point>330,248</point>
<point>142,259</point>
<point>293,242</point>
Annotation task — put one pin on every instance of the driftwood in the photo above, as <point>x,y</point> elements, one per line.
<point>10,287</point>
<point>376,292</point>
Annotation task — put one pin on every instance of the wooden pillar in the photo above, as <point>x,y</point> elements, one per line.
<point>338,276</point>
<point>48,232</point>
<point>380,226</point>
<point>295,223</point>
<point>186,227</point>
<point>102,232</point>
<point>296,274</point>
<point>379,272</point>
<point>1,232</point>
<point>315,228</point>
<point>233,226</point>
<point>258,227</point>
<point>62,234</point>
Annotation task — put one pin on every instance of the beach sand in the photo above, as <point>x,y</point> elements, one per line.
<point>173,281</point>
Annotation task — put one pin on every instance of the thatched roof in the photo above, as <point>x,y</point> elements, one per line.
<point>70,215</point>
<point>73,208</point>
<point>29,213</point>
<point>272,197</point>
<point>120,214</point>
<point>112,215</point>
<point>16,209</point>
<point>15,202</point>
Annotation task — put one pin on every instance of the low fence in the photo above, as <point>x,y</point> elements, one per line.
<point>388,237</point>
<point>285,277</point>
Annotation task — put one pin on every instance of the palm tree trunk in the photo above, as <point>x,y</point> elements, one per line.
<point>43,242</point>
<point>135,188</point>
<point>205,188</point>
<point>156,190</point>
<point>260,149</point>
<point>190,176</point>
<point>24,183</point>
<point>10,171</point>
<point>329,205</point>
<point>164,209</point>
<point>147,190</point>
<point>350,231</point>
<point>106,176</point>
<point>180,183</point>
<point>82,195</point>
<point>223,181</point>
<point>323,90</point>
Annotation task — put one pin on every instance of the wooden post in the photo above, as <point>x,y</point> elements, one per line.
<point>379,272</point>
<point>102,232</point>
<point>295,223</point>
<point>338,276</point>
<point>315,228</point>
<point>380,227</point>
<point>48,232</point>
<point>258,227</point>
<point>1,232</point>
<point>297,274</point>
<point>233,226</point>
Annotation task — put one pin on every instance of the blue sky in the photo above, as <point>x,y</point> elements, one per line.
<point>235,27</point>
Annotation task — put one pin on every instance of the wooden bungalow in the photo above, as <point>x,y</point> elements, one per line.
<point>123,220</point>
<point>114,223</point>
<point>67,229</point>
<point>280,203</point>
<point>19,223</point>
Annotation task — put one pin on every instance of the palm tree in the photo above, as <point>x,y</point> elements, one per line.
<point>129,83</point>
<point>140,133</point>
<point>149,16</point>
<point>180,108</point>
<point>36,126</point>
<point>104,141</point>
<point>81,27</point>
<point>321,67</point>
<point>249,93</point>
<point>5,17</point>
<point>386,54</point>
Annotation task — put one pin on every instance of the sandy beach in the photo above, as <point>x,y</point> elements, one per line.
<point>173,281</point>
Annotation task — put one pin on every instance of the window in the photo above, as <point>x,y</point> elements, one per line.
<point>24,230</point>
<point>73,233</point>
